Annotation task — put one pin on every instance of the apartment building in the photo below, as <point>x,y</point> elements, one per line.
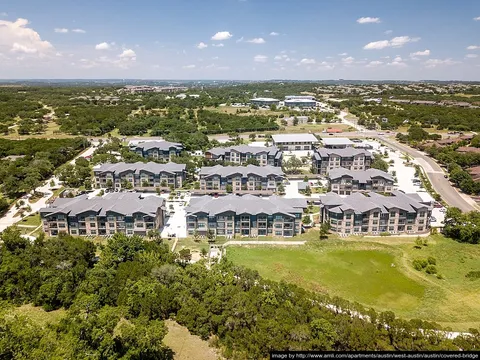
<point>162,150</point>
<point>245,215</point>
<point>242,153</point>
<point>293,142</point>
<point>346,182</point>
<point>259,180</point>
<point>325,160</point>
<point>128,213</point>
<point>141,176</point>
<point>372,213</point>
<point>264,101</point>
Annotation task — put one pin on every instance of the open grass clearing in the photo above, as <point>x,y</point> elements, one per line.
<point>378,273</point>
<point>31,220</point>
<point>187,346</point>
<point>40,316</point>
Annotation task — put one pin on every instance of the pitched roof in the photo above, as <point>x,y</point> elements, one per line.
<point>120,203</point>
<point>246,204</point>
<point>138,167</point>
<point>363,202</point>
<point>245,149</point>
<point>360,176</point>
<point>161,145</point>
<point>347,152</point>
<point>337,141</point>
<point>294,137</point>
<point>225,171</point>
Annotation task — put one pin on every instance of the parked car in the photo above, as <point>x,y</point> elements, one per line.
<point>433,219</point>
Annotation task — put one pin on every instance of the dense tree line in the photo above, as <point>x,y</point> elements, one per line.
<point>40,158</point>
<point>462,227</point>
<point>217,123</point>
<point>117,303</point>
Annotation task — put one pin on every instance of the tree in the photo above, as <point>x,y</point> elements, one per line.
<point>295,121</point>
<point>292,165</point>
<point>307,220</point>
<point>324,230</point>
<point>229,188</point>
<point>109,183</point>
<point>308,191</point>
<point>211,236</point>
<point>281,189</point>
<point>196,236</point>
<point>379,163</point>
<point>204,252</point>
<point>185,255</point>
<point>252,161</point>
<point>252,137</point>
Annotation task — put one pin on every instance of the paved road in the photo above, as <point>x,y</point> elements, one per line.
<point>436,176</point>
<point>434,172</point>
<point>9,220</point>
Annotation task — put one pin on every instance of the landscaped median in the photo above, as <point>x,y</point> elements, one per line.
<point>380,273</point>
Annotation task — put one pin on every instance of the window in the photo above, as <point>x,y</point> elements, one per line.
<point>73,232</point>
<point>422,214</point>
<point>374,229</point>
<point>409,228</point>
<point>348,224</point>
<point>92,225</point>
<point>111,224</point>
<point>392,214</point>
<point>392,221</point>
<point>375,222</point>
<point>93,232</point>
<point>375,214</point>
<point>278,233</point>
<point>420,228</point>
<point>391,228</point>
<point>348,216</point>
<point>130,232</point>
<point>229,232</point>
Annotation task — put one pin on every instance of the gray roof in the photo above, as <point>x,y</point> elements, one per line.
<point>302,185</point>
<point>246,204</point>
<point>363,202</point>
<point>161,145</point>
<point>120,203</point>
<point>151,167</point>
<point>347,152</point>
<point>294,137</point>
<point>360,176</point>
<point>245,149</point>
<point>225,171</point>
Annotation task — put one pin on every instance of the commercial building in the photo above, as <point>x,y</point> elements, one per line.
<point>300,120</point>
<point>264,101</point>
<point>337,143</point>
<point>141,176</point>
<point>300,103</point>
<point>372,213</point>
<point>259,180</point>
<point>127,213</point>
<point>325,160</point>
<point>163,150</point>
<point>245,215</point>
<point>241,154</point>
<point>293,142</point>
<point>346,182</point>
<point>300,97</point>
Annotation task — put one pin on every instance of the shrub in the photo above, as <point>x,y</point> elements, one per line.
<point>385,234</point>
<point>440,276</point>
<point>431,269</point>
<point>419,264</point>
<point>432,261</point>
<point>473,275</point>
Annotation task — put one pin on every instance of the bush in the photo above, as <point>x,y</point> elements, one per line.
<point>440,277</point>
<point>432,261</point>
<point>473,275</point>
<point>431,269</point>
<point>385,234</point>
<point>419,264</point>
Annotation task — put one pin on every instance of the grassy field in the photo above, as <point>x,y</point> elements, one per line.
<point>378,273</point>
<point>40,316</point>
<point>187,346</point>
<point>31,220</point>
<point>314,128</point>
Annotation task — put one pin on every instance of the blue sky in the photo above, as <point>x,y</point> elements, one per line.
<point>240,39</point>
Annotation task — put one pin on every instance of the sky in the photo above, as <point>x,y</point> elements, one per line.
<point>240,39</point>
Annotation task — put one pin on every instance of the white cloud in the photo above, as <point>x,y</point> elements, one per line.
<point>420,53</point>
<point>61,30</point>
<point>190,66</point>
<point>218,45</point>
<point>368,20</point>
<point>222,35</point>
<point>476,18</point>
<point>202,45</point>
<point>398,59</point>
<point>431,63</point>
<point>343,54</point>
<point>374,63</point>
<point>102,46</point>
<point>396,42</point>
<point>79,31</point>
<point>260,58</point>
<point>215,58</point>
<point>307,61</point>
<point>256,41</point>
<point>348,60</point>
<point>273,33</point>
<point>473,47</point>
<point>3,14</point>
<point>388,32</point>
<point>471,56</point>
<point>239,40</point>
<point>129,54</point>
<point>18,38</point>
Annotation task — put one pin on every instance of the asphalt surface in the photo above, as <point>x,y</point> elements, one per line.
<point>436,175</point>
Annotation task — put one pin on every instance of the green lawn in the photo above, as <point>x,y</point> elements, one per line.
<point>32,220</point>
<point>379,274</point>
<point>40,316</point>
